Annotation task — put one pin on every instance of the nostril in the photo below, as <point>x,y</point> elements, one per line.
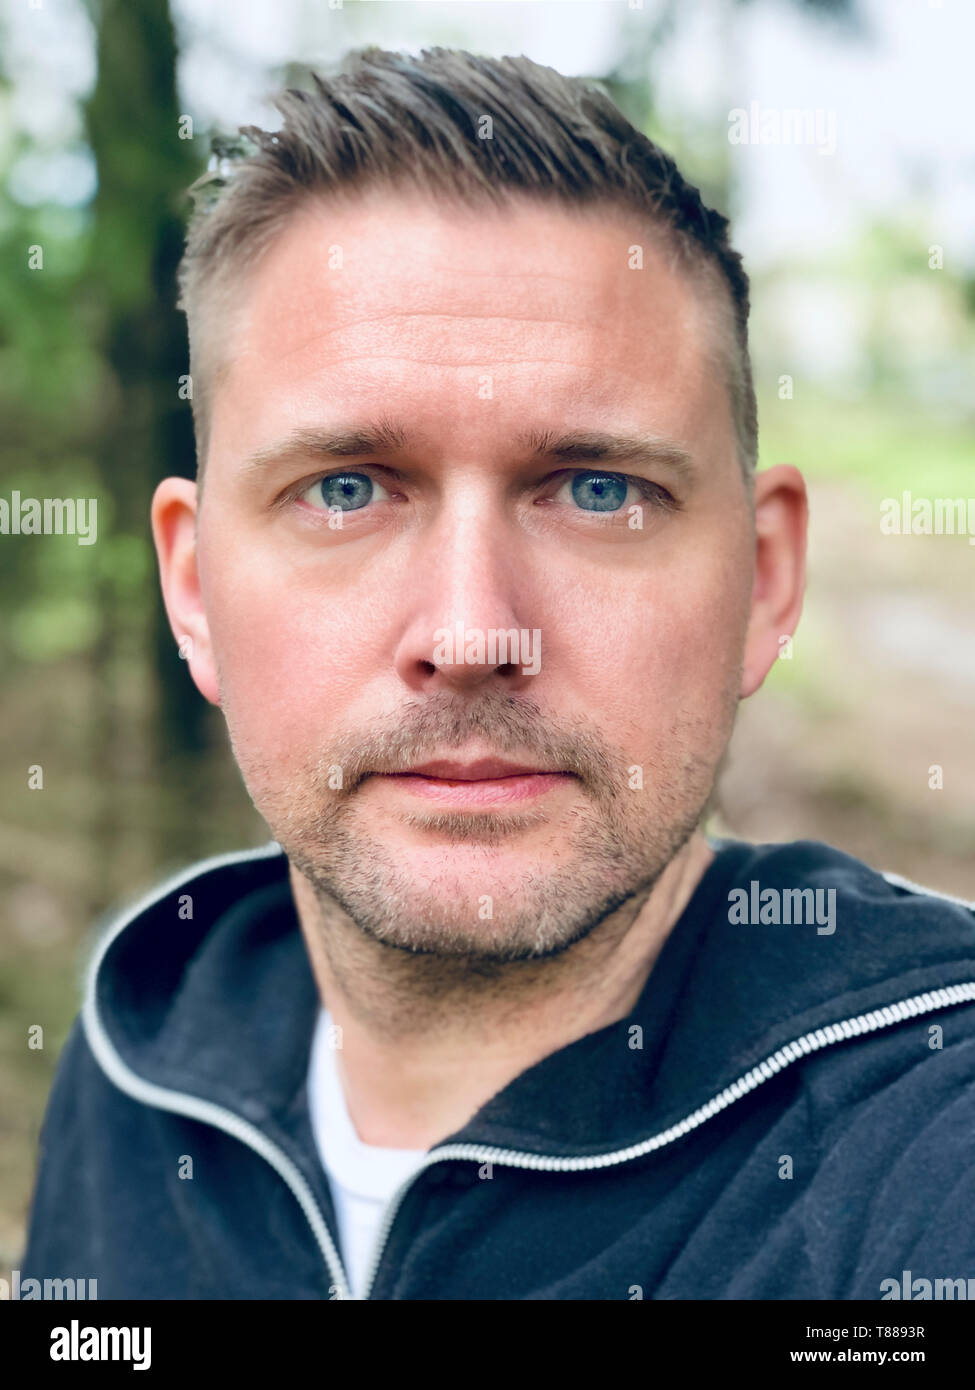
<point>508,669</point>
<point>427,667</point>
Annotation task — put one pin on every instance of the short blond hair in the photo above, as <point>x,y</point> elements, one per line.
<point>394,120</point>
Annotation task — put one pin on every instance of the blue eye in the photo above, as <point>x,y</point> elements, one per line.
<point>348,492</point>
<point>599,492</point>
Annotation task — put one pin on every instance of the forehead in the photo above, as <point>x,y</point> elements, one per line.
<point>552,314</point>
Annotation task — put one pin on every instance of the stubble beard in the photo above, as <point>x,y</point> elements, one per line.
<point>621,838</point>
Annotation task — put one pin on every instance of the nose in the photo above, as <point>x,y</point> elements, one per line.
<point>468,626</point>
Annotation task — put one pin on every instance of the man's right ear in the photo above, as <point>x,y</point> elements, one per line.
<point>174,505</point>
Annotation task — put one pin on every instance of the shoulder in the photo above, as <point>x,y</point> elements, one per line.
<point>895,1167</point>
<point>217,879</point>
<point>137,942</point>
<point>821,863</point>
<point>814,877</point>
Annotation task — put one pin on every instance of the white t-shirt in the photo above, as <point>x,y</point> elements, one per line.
<point>362,1177</point>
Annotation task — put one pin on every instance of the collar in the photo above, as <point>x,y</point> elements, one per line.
<point>205,990</point>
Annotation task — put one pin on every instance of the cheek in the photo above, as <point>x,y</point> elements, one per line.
<point>695,646</point>
<point>289,658</point>
<point>670,653</point>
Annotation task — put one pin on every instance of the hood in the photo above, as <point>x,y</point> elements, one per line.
<point>205,990</point>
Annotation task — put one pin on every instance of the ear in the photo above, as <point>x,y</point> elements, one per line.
<point>174,506</point>
<point>781,514</point>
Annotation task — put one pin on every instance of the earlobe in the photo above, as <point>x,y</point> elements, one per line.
<point>781,513</point>
<point>173,513</point>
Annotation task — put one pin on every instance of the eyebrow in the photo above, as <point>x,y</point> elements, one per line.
<point>597,446</point>
<point>381,438</point>
<point>589,446</point>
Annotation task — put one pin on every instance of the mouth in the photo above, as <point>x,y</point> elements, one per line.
<point>484,782</point>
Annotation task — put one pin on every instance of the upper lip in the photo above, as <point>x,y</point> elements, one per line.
<point>480,770</point>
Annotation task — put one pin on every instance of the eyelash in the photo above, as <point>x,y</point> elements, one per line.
<point>651,492</point>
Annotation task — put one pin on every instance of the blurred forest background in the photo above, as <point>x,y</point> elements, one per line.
<point>863,347</point>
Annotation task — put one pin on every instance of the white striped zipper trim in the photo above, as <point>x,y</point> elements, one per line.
<point>810,1042</point>
<point>178,1102</point>
<point>206,1111</point>
<point>195,1109</point>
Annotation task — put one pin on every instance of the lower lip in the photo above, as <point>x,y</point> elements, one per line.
<point>489,791</point>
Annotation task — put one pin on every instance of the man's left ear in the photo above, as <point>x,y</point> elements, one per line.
<point>781,514</point>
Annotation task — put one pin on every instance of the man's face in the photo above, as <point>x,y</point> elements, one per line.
<point>480,340</point>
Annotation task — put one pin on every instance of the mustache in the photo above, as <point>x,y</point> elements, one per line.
<point>442,725</point>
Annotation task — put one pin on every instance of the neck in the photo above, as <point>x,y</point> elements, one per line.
<point>426,1040</point>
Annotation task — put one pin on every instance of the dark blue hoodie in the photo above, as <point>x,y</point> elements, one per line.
<point>788,1112</point>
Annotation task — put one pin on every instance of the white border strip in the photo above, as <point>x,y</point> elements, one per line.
<point>919,888</point>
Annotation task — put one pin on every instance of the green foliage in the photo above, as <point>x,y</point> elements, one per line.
<point>48,629</point>
<point>879,445</point>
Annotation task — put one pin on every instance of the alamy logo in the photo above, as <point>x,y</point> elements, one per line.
<point>77,1343</point>
<point>25,1289</point>
<point>919,1289</point>
<point>50,516</point>
<point>758,906</point>
<point>791,125</point>
<point>497,646</point>
<point>928,516</point>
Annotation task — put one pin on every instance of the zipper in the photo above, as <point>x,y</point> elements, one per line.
<point>180,1103</point>
<point>884,1017</point>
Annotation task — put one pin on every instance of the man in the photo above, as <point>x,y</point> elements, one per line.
<point>478,567</point>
